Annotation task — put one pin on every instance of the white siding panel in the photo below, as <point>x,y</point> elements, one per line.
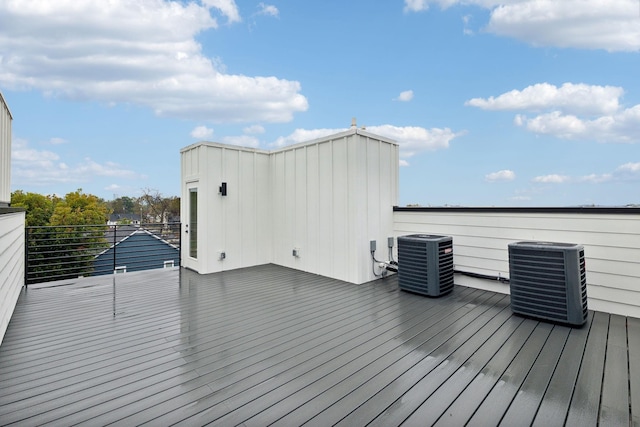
<point>340,228</point>
<point>11,265</point>
<point>325,177</point>
<point>310,251</point>
<point>263,212</point>
<point>302,193</point>
<point>281,207</point>
<point>611,242</point>
<point>231,224</point>
<point>5,152</point>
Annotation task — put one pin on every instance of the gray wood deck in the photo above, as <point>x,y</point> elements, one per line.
<point>269,345</point>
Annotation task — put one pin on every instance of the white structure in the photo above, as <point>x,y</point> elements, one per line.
<point>313,206</point>
<point>11,228</point>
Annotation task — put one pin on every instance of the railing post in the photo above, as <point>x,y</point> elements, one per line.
<point>115,229</point>
<point>26,257</point>
<point>180,244</point>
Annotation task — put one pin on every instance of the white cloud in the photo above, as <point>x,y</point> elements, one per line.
<point>596,178</point>
<point>586,24</point>
<point>415,5</point>
<point>141,52</point>
<point>414,139</point>
<point>620,127</point>
<point>405,96</point>
<point>501,176</point>
<point>57,141</point>
<point>411,139</point>
<point>572,98</point>
<point>242,141</point>
<point>42,167</point>
<point>202,132</point>
<point>403,162</point>
<point>268,9</point>
<point>574,111</point>
<point>551,179</point>
<point>227,7</point>
<point>626,172</point>
<point>254,129</point>
<point>304,135</point>
<point>466,19</point>
<point>630,167</point>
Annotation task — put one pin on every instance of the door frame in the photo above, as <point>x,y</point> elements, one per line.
<point>187,228</point>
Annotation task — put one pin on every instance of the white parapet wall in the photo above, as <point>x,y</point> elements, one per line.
<point>5,152</point>
<point>11,263</point>
<point>12,223</point>
<point>611,238</point>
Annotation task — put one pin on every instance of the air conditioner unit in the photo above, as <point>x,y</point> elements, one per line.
<point>425,264</point>
<point>548,281</point>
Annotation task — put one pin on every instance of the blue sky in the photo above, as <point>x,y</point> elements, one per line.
<point>493,103</point>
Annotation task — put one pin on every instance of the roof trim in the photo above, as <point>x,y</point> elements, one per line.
<point>4,101</point>
<point>346,133</point>
<point>138,231</point>
<point>10,209</point>
<point>520,210</point>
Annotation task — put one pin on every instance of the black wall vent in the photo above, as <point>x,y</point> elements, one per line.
<point>425,264</point>
<point>548,281</point>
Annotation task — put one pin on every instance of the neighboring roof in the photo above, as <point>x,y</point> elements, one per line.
<point>121,232</point>
<point>124,232</point>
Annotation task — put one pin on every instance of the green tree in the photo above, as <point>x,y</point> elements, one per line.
<point>174,206</point>
<point>78,208</point>
<point>39,208</point>
<point>75,234</point>
<point>124,205</point>
<point>158,208</point>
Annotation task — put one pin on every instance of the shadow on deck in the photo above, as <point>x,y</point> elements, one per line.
<point>268,344</point>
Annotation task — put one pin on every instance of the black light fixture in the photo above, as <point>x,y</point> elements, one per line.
<point>223,189</point>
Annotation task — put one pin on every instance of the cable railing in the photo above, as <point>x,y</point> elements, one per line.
<point>71,251</point>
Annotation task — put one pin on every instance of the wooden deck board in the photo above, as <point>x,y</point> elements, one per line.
<point>633,339</point>
<point>614,407</point>
<point>555,403</point>
<point>499,399</point>
<point>585,403</point>
<point>270,345</point>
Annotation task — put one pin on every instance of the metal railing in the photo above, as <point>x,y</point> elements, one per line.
<point>71,251</point>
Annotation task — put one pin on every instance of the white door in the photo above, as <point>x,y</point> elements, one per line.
<point>190,228</point>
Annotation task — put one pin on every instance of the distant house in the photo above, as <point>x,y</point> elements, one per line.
<point>135,249</point>
<point>124,218</point>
